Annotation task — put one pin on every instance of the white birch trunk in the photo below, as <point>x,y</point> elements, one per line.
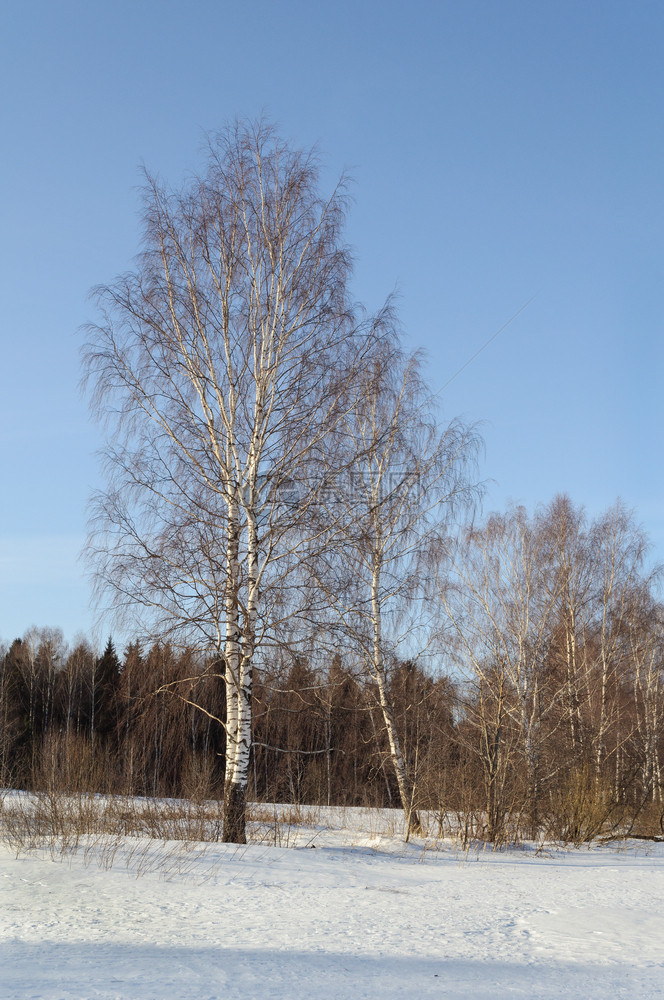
<point>405,790</point>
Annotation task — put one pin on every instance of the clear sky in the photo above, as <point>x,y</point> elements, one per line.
<point>501,149</point>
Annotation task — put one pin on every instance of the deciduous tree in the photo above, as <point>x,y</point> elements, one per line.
<point>221,364</point>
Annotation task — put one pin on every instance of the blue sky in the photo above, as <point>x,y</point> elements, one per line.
<point>499,150</point>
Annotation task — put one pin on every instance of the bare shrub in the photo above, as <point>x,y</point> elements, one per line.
<point>584,809</point>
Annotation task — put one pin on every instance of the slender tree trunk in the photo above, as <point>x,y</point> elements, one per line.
<point>381,757</point>
<point>573,693</point>
<point>600,747</point>
<point>406,792</point>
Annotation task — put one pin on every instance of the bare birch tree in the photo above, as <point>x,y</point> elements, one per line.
<point>499,600</point>
<point>573,565</point>
<point>403,481</point>
<point>621,550</point>
<point>646,651</point>
<point>220,365</point>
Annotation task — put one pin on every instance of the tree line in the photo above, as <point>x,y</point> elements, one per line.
<point>538,706</point>
<point>73,720</point>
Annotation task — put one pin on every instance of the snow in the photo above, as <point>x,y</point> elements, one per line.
<point>355,914</point>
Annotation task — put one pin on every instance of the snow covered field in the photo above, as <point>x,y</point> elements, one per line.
<point>356,914</point>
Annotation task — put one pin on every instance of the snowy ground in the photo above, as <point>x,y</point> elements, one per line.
<point>357,915</point>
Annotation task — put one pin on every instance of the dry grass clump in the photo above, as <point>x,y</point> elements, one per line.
<point>282,825</point>
<point>61,822</point>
